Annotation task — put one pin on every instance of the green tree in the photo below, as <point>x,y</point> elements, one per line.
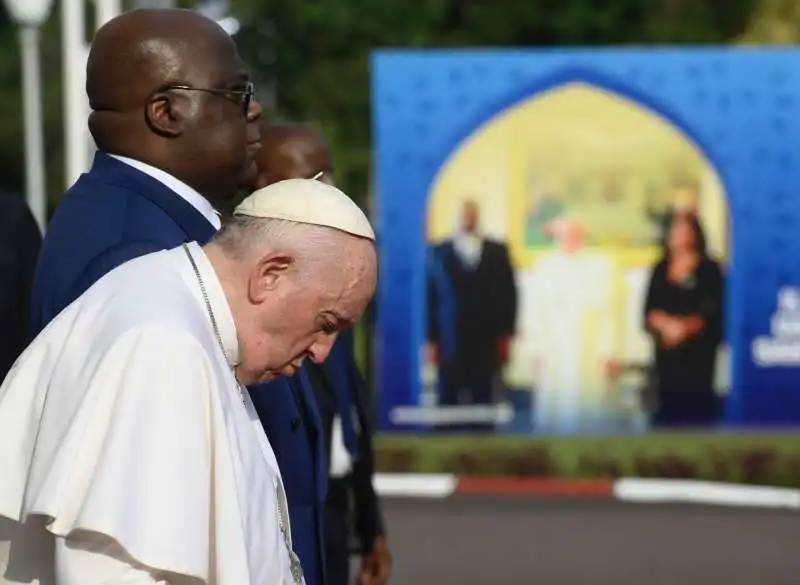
<point>12,142</point>
<point>312,56</point>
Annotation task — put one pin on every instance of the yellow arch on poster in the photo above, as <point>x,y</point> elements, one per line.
<point>578,134</point>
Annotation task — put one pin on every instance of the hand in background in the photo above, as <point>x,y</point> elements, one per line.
<point>504,349</point>
<point>673,333</point>
<point>376,566</point>
<point>613,369</point>
<point>658,319</point>
<point>431,353</point>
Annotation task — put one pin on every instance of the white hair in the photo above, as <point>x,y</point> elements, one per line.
<point>310,245</point>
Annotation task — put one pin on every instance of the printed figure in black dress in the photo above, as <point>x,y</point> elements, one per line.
<point>683,313</point>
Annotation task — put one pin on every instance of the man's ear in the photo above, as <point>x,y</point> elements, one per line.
<point>267,275</point>
<point>164,114</point>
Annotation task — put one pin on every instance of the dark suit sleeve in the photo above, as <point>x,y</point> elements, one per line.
<point>712,284</point>
<point>368,517</point>
<point>432,298</point>
<point>508,289</point>
<point>108,261</point>
<point>654,298</point>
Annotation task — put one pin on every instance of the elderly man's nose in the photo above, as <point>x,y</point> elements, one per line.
<point>321,349</point>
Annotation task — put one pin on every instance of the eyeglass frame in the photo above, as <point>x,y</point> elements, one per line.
<point>246,94</point>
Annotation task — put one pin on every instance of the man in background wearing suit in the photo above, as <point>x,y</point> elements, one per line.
<point>298,151</point>
<point>20,242</point>
<point>472,311</point>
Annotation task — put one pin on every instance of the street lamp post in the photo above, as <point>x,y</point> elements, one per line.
<point>106,10</point>
<point>29,15</point>
<point>154,3</point>
<point>74,51</point>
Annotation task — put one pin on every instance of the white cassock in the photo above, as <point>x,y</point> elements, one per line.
<point>128,453</point>
<point>568,326</point>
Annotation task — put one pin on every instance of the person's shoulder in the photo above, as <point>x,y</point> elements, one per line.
<point>711,265</point>
<point>144,290</point>
<point>661,265</point>
<point>165,348</point>
<point>495,246</point>
<point>161,332</point>
<point>494,243</point>
<point>13,209</point>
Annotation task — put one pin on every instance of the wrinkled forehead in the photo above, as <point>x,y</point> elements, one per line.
<point>352,280</point>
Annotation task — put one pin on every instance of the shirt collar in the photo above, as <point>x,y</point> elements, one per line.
<point>191,196</point>
<point>217,300</point>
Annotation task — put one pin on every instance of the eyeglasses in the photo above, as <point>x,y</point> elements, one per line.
<point>243,97</point>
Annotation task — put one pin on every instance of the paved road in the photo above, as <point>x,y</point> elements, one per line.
<point>474,540</point>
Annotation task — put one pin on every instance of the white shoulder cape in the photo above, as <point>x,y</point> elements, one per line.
<point>146,442</point>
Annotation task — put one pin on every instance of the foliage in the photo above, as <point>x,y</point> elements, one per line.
<point>758,459</point>
<point>774,22</point>
<point>314,54</point>
<point>12,163</point>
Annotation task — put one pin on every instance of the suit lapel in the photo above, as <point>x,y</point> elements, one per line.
<point>192,222</point>
<point>301,386</point>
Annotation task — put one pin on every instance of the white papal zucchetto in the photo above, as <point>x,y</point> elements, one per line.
<point>307,201</point>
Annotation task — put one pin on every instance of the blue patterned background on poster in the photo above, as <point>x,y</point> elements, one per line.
<point>740,106</point>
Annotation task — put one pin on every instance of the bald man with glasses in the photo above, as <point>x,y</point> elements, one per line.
<point>175,121</point>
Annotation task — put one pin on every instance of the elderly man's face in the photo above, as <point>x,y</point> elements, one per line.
<point>303,315</point>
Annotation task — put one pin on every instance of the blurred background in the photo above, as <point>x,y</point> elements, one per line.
<point>586,212</point>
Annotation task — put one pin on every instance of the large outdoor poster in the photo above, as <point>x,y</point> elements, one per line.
<point>564,234</point>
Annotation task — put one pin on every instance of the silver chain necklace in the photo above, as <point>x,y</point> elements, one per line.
<point>280,496</point>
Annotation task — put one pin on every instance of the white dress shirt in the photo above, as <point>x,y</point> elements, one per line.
<point>191,196</point>
<point>341,461</point>
<point>469,247</point>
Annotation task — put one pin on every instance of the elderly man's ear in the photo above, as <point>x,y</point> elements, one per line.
<point>267,275</point>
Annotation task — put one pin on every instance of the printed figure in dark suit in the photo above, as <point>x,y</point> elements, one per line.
<point>20,242</point>
<point>298,151</point>
<point>472,312</point>
<point>684,314</point>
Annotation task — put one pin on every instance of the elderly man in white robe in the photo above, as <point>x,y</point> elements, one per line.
<point>567,332</point>
<point>130,452</point>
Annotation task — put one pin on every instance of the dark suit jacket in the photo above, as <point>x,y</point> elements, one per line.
<point>20,242</point>
<point>112,214</point>
<point>341,390</point>
<point>470,309</point>
<point>292,423</point>
<point>115,213</point>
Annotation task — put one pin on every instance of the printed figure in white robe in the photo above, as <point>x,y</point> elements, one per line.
<point>568,332</point>
<point>130,450</point>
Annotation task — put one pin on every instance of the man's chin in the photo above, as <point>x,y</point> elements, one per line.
<point>289,371</point>
<point>250,180</point>
<point>271,375</point>
<point>268,377</point>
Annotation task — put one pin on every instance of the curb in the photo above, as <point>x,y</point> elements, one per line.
<point>634,490</point>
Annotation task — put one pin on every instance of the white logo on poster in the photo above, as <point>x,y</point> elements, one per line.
<point>782,346</point>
